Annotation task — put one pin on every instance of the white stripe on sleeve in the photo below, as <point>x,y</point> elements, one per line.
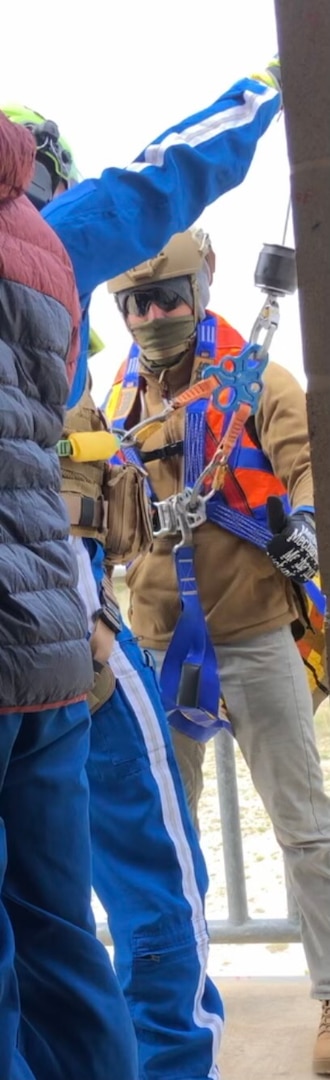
<point>210,128</point>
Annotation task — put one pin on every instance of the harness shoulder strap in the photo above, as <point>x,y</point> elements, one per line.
<point>216,339</point>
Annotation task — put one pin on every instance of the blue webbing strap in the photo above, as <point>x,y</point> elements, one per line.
<point>129,384</point>
<point>189,678</point>
<point>233,521</point>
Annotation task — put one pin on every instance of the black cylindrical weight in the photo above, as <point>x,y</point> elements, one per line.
<point>276,270</point>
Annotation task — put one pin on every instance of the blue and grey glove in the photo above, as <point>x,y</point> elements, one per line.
<point>273,70</point>
<point>293,549</point>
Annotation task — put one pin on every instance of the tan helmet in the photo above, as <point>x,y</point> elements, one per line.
<point>186,254</point>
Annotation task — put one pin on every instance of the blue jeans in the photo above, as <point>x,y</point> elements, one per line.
<point>62,1000</point>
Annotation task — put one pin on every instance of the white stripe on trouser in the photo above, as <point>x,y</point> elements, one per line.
<point>149,726</point>
<point>86,583</point>
<point>210,128</point>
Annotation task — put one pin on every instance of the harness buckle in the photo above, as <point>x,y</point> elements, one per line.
<point>192,510</point>
<point>167,517</point>
<point>178,514</point>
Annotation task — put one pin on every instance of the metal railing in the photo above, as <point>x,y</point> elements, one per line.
<point>239,927</point>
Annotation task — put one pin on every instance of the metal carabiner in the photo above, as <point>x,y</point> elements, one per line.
<point>148,424</point>
<point>196,498</point>
<point>267,320</point>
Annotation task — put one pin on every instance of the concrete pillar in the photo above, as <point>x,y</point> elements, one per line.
<point>304,43</point>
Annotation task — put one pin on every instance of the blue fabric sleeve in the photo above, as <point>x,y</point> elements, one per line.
<point>302,510</point>
<point>125,217</point>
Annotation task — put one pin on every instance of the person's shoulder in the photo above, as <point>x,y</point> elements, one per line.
<point>32,256</point>
<point>277,378</point>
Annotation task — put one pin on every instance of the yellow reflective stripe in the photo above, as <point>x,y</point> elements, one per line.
<point>111,406</point>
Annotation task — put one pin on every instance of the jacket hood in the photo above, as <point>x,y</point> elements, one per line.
<point>17,156</point>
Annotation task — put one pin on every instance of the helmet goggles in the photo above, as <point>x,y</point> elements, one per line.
<point>167,295</point>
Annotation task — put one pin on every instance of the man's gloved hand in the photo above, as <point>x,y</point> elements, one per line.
<point>272,74</point>
<point>293,549</point>
<point>273,69</point>
<point>109,613</point>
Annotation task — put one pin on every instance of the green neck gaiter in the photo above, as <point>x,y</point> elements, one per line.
<point>163,341</point>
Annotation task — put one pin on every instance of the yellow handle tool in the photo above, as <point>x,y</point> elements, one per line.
<point>89,446</point>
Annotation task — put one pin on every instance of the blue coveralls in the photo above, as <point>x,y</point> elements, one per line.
<point>149,872</point>
<point>74,1019</point>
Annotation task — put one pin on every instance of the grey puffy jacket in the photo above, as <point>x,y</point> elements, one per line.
<point>44,656</point>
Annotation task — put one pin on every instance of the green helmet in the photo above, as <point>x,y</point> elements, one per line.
<point>54,160</point>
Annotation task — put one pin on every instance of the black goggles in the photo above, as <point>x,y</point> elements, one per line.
<point>139,302</point>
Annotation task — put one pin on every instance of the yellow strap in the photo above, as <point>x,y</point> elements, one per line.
<point>150,427</point>
<point>110,410</point>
